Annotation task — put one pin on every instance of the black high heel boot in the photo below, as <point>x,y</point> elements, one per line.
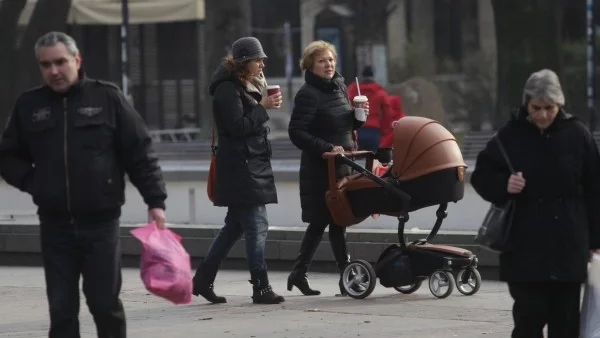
<point>337,238</point>
<point>298,277</point>
<point>203,283</point>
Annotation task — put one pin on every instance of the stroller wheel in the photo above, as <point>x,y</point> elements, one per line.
<point>441,283</point>
<point>358,279</point>
<point>468,281</point>
<point>408,289</point>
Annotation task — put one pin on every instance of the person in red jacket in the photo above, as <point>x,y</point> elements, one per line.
<point>387,122</point>
<point>369,134</point>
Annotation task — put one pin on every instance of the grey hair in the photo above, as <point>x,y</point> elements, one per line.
<point>545,85</point>
<point>52,38</point>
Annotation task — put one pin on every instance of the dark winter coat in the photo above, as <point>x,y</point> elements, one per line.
<point>557,219</point>
<point>322,118</point>
<point>244,174</point>
<point>70,152</point>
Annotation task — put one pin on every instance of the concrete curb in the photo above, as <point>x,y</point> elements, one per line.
<point>283,170</point>
<point>20,244</point>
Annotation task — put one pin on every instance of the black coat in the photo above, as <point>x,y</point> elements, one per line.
<point>243,169</point>
<point>70,152</point>
<point>557,219</point>
<point>322,118</point>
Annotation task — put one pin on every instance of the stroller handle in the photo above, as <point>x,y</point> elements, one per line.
<point>343,158</point>
<point>354,154</point>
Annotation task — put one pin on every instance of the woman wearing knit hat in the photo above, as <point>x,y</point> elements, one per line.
<point>555,185</point>
<point>244,177</point>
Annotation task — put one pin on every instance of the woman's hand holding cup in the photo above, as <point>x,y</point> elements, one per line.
<point>272,101</point>
<point>361,110</point>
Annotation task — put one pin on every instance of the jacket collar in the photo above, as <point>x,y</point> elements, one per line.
<point>521,116</point>
<point>326,85</point>
<point>75,89</point>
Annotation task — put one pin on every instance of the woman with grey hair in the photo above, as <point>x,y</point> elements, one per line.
<point>556,189</point>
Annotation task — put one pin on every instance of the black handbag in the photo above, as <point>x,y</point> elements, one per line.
<point>495,229</point>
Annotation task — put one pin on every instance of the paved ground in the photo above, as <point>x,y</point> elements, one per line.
<point>23,311</point>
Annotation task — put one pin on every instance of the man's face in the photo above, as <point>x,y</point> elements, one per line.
<point>59,68</point>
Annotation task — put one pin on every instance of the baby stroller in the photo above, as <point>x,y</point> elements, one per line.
<point>425,168</point>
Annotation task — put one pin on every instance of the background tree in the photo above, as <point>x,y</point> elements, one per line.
<point>9,17</point>
<point>18,66</point>
<point>529,38</point>
<point>225,22</point>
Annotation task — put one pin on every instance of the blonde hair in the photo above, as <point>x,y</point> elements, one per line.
<point>307,61</point>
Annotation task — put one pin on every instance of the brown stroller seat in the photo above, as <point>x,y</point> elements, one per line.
<point>427,169</point>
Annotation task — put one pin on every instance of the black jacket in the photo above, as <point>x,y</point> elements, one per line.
<point>70,152</point>
<point>244,174</point>
<point>322,118</point>
<point>557,218</point>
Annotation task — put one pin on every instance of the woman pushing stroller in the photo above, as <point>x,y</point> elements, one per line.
<point>322,121</point>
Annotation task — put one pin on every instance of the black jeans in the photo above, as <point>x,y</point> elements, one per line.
<point>337,240</point>
<point>93,252</point>
<point>552,303</point>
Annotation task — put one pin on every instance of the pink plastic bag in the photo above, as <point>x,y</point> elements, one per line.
<point>165,265</point>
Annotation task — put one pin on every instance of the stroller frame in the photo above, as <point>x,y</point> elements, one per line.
<point>442,265</point>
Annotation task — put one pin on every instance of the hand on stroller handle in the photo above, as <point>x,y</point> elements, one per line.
<point>355,154</point>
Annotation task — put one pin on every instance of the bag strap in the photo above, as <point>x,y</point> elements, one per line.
<point>213,148</point>
<point>504,154</point>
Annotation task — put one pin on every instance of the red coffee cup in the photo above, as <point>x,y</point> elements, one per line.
<point>274,89</point>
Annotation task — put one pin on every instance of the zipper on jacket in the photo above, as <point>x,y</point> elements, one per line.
<point>65,149</point>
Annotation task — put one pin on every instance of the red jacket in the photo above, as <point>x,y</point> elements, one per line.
<point>378,103</point>
<point>387,130</point>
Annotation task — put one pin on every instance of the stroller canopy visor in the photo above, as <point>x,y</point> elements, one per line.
<point>423,146</point>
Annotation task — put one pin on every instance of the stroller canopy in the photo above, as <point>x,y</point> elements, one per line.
<point>423,146</point>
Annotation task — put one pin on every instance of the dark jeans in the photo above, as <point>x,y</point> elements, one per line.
<point>368,139</point>
<point>250,221</point>
<point>93,252</point>
<point>552,303</point>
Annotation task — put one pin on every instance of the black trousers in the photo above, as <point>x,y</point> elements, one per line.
<point>553,303</point>
<point>337,240</point>
<point>93,252</point>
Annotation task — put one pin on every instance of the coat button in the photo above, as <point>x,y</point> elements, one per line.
<point>109,181</point>
<point>555,217</point>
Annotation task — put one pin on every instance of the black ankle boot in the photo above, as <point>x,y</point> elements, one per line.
<point>203,284</point>
<point>262,291</point>
<point>298,276</point>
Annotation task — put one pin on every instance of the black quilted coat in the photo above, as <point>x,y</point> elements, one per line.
<point>322,118</point>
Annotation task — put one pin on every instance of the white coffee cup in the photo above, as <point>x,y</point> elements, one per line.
<point>359,112</point>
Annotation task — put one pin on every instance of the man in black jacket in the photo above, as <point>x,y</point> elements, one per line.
<point>68,144</point>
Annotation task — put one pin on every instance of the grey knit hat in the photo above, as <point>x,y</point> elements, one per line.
<point>247,48</point>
